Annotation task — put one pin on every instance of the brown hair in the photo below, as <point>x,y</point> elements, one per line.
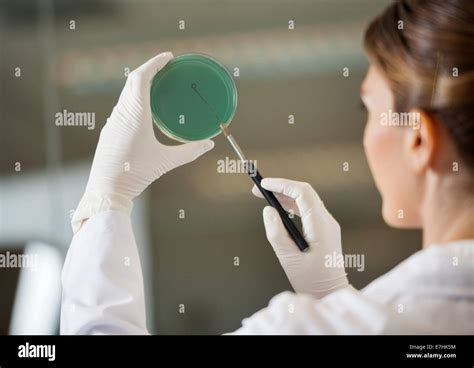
<point>425,49</point>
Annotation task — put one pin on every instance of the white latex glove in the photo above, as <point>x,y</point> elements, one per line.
<point>308,272</point>
<point>128,157</point>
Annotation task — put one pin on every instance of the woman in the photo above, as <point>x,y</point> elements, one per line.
<point>422,66</point>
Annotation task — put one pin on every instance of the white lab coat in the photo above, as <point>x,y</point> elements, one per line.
<point>430,292</point>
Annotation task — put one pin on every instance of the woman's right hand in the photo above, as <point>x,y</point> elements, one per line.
<point>318,271</point>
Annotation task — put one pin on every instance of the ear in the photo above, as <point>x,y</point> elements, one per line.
<point>422,140</point>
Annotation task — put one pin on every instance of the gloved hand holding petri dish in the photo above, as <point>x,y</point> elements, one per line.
<point>193,98</point>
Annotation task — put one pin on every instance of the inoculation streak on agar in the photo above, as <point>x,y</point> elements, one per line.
<point>213,110</point>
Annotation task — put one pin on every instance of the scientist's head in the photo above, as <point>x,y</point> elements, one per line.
<point>419,93</point>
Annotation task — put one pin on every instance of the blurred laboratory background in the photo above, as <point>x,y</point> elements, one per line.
<point>298,65</point>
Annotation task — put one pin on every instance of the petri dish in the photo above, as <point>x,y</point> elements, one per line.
<point>191,96</point>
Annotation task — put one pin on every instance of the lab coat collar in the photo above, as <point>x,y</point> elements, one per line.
<point>439,270</point>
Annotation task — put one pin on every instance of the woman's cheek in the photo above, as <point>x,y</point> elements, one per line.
<point>373,150</point>
<point>383,146</point>
<point>380,147</point>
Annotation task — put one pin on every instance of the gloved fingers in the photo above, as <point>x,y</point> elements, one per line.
<point>187,152</point>
<point>288,203</point>
<point>276,233</point>
<point>139,80</point>
<point>315,218</point>
<point>306,198</point>
<point>133,109</point>
<point>148,70</point>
